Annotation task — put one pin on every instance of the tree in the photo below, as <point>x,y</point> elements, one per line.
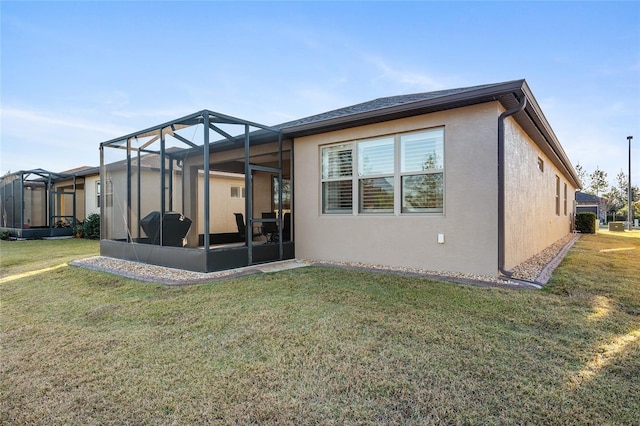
<point>635,212</point>
<point>623,185</point>
<point>598,182</point>
<point>615,201</point>
<point>582,175</point>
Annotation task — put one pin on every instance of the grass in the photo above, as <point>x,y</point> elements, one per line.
<point>320,345</point>
<point>23,256</point>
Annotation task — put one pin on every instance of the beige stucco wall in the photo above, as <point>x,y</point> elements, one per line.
<point>64,203</point>
<point>91,201</point>
<point>222,218</point>
<point>221,205</point>
<point>531,222</point>
<point>469,221</point>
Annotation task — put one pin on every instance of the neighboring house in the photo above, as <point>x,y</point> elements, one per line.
<point>39,203</point>
<point>85,181</point>
<point>591,203</point>
<point>469,180</point>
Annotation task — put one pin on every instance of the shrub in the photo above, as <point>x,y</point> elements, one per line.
<point>91,227</point>
<point>586,222</point>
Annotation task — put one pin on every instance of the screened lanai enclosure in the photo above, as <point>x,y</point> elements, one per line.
<point>32,207</point>
<point>206,192</point>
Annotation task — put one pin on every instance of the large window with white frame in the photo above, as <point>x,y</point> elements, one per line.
<point>399,174</point>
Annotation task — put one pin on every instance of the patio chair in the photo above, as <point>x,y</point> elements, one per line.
<point>270,229</point>
<point>286,227</point>
<point>242,228</point>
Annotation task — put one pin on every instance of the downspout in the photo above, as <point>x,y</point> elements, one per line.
<point>501,184</point>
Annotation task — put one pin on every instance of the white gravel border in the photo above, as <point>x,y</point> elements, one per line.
<point>533,273</point>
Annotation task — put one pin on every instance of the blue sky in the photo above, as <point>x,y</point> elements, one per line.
<point>74,74</point>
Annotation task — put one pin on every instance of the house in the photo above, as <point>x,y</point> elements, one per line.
<point>469,180</point>
<point>85,181</point>
<point>39,203</point>
<point>591,203</point>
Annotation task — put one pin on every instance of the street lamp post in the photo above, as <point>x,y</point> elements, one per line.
<point>629,192</point>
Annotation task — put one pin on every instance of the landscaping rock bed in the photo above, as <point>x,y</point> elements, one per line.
<point>539,267</point>
<point>530,274</point>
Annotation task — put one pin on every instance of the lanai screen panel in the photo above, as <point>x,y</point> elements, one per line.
<point>139,180</point>
<point>180,184</point>
<point>29,202</point>
<point>11,201</point>
<point>35,204</point>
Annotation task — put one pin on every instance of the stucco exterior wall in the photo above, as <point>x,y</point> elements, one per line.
<point>531,222</point>
<point>221,205</point>
<point>469,221</point>
<point>91,197</point>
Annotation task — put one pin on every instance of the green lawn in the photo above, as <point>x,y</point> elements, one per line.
<point>319,345</point>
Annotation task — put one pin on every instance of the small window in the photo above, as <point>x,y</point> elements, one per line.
<point>540,164</point>
<point>286,193</point>
<point>237,192</point>
<point>565,199</point>
<point>557,195</point>
<point>98,194</point>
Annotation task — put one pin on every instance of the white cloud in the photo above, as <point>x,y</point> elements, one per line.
<point>19,121</point>
<point>56,142</point>
<point>407,78</point>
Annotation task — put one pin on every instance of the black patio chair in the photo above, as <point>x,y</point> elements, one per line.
<point>242,228</point>
<point>286,227</point>
<point>270,229</point>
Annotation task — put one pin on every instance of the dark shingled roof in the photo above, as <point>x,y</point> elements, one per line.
<point>382,103</point>
<point>583,196</point>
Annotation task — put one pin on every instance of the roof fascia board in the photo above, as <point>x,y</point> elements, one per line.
<point>540,121</point>
<point>444,101</point>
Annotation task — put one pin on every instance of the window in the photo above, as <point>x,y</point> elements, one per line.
<point>98,194</point>
<point>286,193</point>
<point>412,163</point>
<point>421,169</point>
<point>565,199</point>
<point>237,192</point>
<point>540,164</point>
<point>557,195</point>
<point>375,174</point>
<point>337,175</point>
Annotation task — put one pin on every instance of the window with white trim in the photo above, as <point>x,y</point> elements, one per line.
<point>395,174</point>
<point>376,165</point>
<point>337,179</point>
<point>422,172</point>
<point>565,199</point>
<point>237,192</point>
